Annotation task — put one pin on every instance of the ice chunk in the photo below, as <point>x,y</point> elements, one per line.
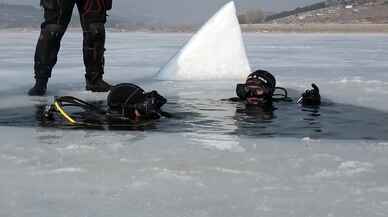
<point>216,51</point>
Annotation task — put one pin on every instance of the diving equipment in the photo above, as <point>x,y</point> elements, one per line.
<point>127,103</point>
<point>130,99</point>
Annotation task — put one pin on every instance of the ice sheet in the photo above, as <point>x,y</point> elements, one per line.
<point>52,172</point>
<point>86,173</point>
<point>216,51</point>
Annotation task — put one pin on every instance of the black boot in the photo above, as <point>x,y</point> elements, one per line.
<point>39,89</point>
<point>97,85</point>
<point>46,56</point>
<point>93,51</point>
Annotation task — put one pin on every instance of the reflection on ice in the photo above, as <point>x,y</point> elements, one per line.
<point>345,169</point>
<point>219,142</point>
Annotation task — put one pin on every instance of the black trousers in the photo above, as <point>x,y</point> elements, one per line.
<point>57,16</point>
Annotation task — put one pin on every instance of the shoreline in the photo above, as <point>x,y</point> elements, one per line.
<point>316,28</point>
<point>255,28</point>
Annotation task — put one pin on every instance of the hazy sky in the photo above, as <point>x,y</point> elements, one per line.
<point>186,11</point>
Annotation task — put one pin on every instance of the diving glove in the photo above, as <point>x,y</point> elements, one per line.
<point>310,97</point>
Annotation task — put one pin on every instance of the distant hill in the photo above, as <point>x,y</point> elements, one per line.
<point>26,16</point>
<point>335,11</point>
<point>296,11</point>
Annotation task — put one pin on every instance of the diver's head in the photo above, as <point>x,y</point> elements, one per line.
<point>258,88</point>
<point>134,103</point>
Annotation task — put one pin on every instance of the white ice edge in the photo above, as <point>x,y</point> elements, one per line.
<point>215,52</point>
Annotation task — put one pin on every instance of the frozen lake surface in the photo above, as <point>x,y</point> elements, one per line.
<point>215,159</point>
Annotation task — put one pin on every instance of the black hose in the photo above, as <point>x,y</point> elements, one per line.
<point>283,95</point>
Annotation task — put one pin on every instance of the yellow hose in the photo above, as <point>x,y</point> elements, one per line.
<point>64,114</point>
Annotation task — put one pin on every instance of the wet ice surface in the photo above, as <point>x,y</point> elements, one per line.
<point>200,171</point>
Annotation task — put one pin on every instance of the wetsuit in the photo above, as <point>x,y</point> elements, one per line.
<point>57,16</point>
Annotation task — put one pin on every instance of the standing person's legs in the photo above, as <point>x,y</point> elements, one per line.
<point>93,19</point>
<point>57,15</point>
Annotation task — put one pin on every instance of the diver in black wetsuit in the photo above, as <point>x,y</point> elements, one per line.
<point>127,105</point>
<point>260,90</point>
<point>57,16</point>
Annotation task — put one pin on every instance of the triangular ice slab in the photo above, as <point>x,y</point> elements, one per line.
<point>216,51</point>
